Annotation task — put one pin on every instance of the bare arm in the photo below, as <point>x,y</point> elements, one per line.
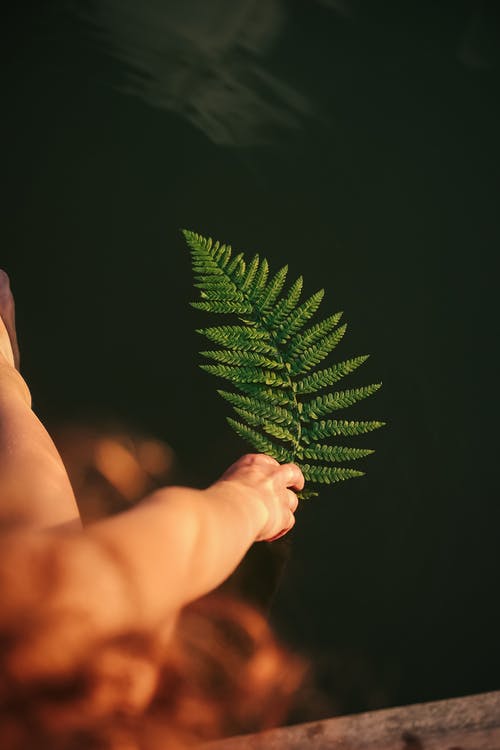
<point>136,571</point>
<point>131,571</point>
<point>34,486</point>
<point>181,543</point>
<point>175,546</point>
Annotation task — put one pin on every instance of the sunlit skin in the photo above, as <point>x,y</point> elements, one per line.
<point>131,571</point>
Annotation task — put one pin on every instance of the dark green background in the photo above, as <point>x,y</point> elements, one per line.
<point>380,183</point>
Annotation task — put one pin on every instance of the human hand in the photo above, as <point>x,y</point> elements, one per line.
<point>272,484</point>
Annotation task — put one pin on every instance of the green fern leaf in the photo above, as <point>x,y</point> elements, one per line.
<point>272,319</point>
<point>328,474</point>
<point>240,337</point>
<point>259,280</point>
<point>315,354</point>
<point>272,290</point>
<point>326,428</point>
<point>236,268</point>
<point>220,253</point>
<point>272,428</point>
<point>267,356</point>
<point>260,442</point>
<point>322,405</point>
<point>245,374</point>
<point>220,292</point>
<point>267,410</point>
<point>242,358</point>
<point>277,396</point>
<point>335,453</point>
<point>246,282</point>
<point>322,379</point>
<point>307,494</point>
<point>223,306</point>
<point>307,338</point>
<point>216,283</point>
<point>298,317</point>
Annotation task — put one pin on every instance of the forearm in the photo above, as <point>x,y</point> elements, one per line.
<point>135,571</point>
<point>34,487</point>
<point>181,543</point>
<point>129,573</point>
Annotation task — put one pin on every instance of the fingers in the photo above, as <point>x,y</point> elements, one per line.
<point>293,501</point>
<point>292,476</point>
<point>275,486</point>
<point>251,459</point>
<point>289,473</point>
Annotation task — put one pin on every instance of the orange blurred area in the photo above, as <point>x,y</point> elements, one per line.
<point>112,467</point>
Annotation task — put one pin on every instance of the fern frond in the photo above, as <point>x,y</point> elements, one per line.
<point>274,429</point>
<point>335,453</point>
<point>278,396</point>
<point>220,253</point>
<point>298,317</point>
<point>270,293</point>
<point>322,405</point>
<point>267,356</point>
<point>246,282</point>
<point>328,474</point>
<point>245,374</point>
<point>236,268</point>
<point>242,358</point>
<point>267,410</point>
<point>218,284</point>
<point>245,338</point>
<point>221,291</point>
<point>223,306</point>
<point>259,281</point>
<point>260,442</point>
<point>316,353</point>
<point>307,338</point>
<point>275,317</point>
<point>323,378</point>
<point>307,494</point>
<point>326,428</point>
